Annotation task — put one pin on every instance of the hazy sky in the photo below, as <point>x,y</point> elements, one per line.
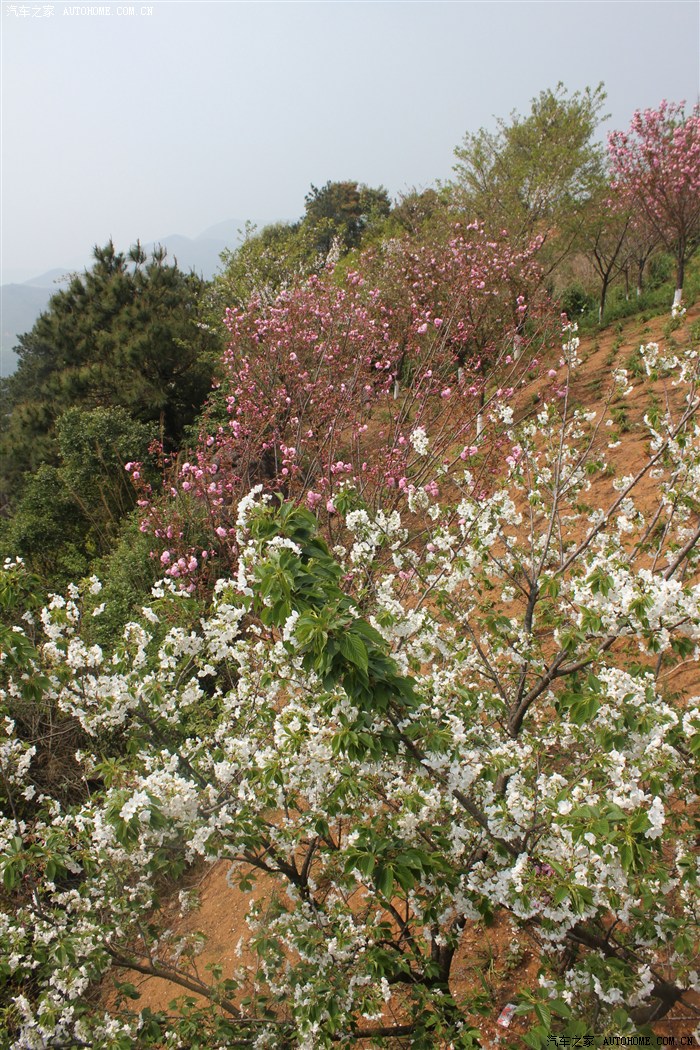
<point>171,116</point>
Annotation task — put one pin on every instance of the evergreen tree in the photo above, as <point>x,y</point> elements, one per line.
<point>341,211</point>
<point>123,334</point>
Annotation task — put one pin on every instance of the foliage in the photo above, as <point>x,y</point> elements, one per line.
<point>268,262</point>
<point>458,712</point>
<point>49,529</point>
<point>535,173</point>
<point>122,335</point>
<point>656,171</point>
<point>66,516</point>
<point>415,209</point>
<point>576,301</point>
<point>128,571</point>
<point>341,211</point>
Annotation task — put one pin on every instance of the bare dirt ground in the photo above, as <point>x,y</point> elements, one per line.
<point>491,959</point>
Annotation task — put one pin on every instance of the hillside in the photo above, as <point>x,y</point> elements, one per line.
<point>350,619</point>
<point>495,959</point>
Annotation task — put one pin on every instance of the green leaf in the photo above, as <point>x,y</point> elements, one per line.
<point>385,881</point>
<point>353,649</point>
<point>536,1037</point>
<point>560,894</point>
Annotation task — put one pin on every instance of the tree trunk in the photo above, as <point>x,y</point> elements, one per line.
<point>480,413</point>
<point>641,263</point>
<point>680,274</point>
<point>603,297</point>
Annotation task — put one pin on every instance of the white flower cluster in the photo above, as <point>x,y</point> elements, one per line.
<point>491,735</point>
<point>419,441</point>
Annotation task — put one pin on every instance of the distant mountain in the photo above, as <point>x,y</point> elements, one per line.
<point>230,231</point>
<point>51,279</point>
<point>21,304</point>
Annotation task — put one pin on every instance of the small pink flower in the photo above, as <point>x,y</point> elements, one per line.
<point>330,506</point>
<point>515,456</point>
<point>552,373</point>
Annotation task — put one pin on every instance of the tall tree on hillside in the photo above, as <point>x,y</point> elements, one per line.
<point>123,334</point>
<point>656,170</point>
<point>643,241</point>
<point>342,210</point>
<point>605,240</point>
<point>532,175</point>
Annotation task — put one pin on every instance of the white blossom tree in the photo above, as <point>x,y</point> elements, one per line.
<point>459,712</point>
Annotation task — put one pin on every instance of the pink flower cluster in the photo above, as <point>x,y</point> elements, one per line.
<point>306,379</point>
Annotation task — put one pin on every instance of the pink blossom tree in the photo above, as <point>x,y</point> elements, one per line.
<point>475,288</point>
<point>656,170</point>
<point>334,383</point>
